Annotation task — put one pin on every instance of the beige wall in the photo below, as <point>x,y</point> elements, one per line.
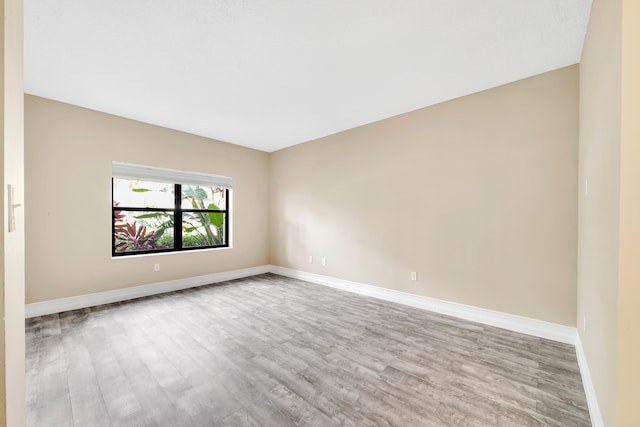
<point>12,388</point>
<point>628,377</point>
<point>609,215</point>
<point>68,158</point>
<point>599,211</point>
<point>478,195</point>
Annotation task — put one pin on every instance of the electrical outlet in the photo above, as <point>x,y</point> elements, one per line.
<point>414,275</point>
<point>310,259</point>
<point>156,267</point>
<point>324,261</point>
<point>584,324</point>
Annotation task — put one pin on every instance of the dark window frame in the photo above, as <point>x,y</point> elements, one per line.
<point>177,212</point>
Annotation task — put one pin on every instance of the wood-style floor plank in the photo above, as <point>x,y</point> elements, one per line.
<point>273,351</point>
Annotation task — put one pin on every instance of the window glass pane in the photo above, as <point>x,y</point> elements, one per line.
<point>196,197</point>
<point>202,229</point>
<point>142,194</point>
<point>142,231</point>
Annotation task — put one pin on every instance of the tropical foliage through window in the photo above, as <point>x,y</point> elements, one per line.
<point>161,217</point>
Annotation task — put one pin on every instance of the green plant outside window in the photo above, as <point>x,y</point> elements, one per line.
<point>151,217</point>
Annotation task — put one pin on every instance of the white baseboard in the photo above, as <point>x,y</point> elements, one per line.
<point>587,383</point>
<point>511,322</point>
<point>98,298</point>
<point>538,328</point>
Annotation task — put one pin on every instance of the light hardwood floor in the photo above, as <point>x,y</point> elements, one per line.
<point>274,351</point>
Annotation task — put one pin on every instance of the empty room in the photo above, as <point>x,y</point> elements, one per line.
<point>285,213</point>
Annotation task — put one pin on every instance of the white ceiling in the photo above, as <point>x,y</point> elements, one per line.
<point>268,74</point>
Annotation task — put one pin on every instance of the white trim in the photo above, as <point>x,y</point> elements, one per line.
<point>512,322</point>
<point>172,176</point>
<point>538,328</point>
<point>587,383</point>
<point>98,298</point>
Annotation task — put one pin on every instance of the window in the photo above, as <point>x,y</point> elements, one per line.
<point>162,210</point>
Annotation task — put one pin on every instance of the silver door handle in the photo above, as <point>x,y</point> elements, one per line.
<point>11,208</point>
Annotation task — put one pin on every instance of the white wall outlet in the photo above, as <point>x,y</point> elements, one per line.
<point>584,324</point>
<point>156,267</point>
<point>324,261</point>
<point>310,259</point>
<point>414,275</point>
